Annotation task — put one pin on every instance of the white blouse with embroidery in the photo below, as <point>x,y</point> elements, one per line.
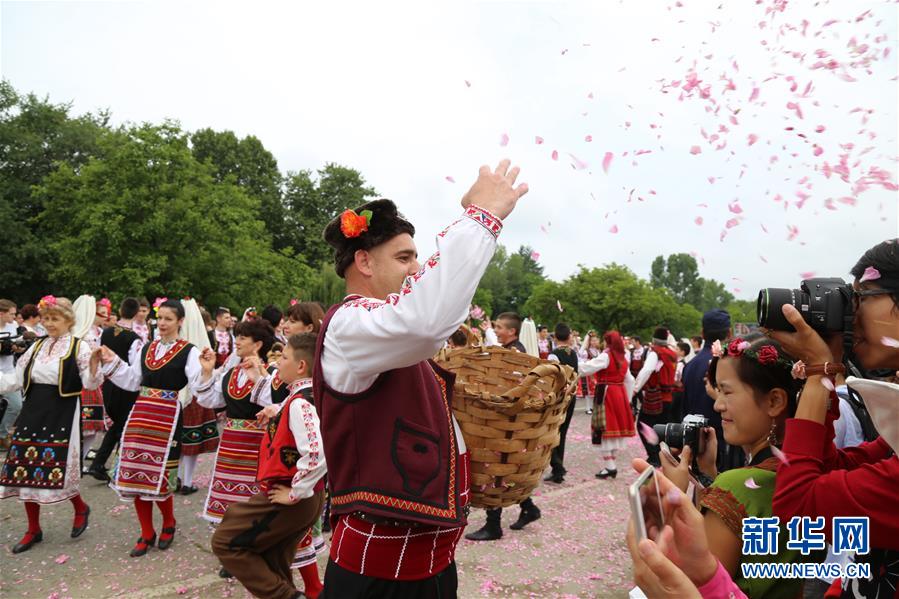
<point>128,375</point>
<point>209,391</point>
<point>47,362</point>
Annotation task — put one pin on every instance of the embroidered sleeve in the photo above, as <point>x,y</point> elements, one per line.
<point>16,380</point>
<point>367,337</point>
<point>193,370</point>
<point>124,375</point>
<point>304,425</point>
<point>722,502</point>
<point>649,366</point>
<point>262,391</point>
<point>83,359</point>
<point>209,391</point>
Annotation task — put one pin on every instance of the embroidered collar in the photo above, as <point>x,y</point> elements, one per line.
<point>299,385</point>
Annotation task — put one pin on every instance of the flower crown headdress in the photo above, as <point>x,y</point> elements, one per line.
<point>767,355</point>
<point>158,302</point>
<point>48,301</point>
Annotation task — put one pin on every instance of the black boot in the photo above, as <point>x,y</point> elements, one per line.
<point>607,473</point>
<point>99,472</point>
<point>492,529</point>
<point>529,513</point>
<point>554,478</point>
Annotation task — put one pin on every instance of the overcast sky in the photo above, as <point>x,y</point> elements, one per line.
<point>417,96</point>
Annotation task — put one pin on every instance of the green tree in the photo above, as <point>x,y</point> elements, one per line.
<point>679,274</point>
<point>246,163</point>
<point>35,136</point>
<point>509,280</point>
<point>150,218</point>
<point>311,202</point>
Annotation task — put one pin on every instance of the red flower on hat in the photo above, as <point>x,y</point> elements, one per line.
<point>768,355</point>
<point>352,224</point>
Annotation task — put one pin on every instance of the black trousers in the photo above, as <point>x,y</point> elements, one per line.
<point>494,515</point>
<point>557,458</point>
<point>340,583</point>
<point>118,403</point>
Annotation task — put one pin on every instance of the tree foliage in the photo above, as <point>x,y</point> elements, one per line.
<point>679,274</point>
<point>509,281</point>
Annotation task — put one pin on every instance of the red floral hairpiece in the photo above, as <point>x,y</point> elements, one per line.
<point>105,302</point>
<point>48,301</point>
<point>767,355</point>
<point>353,225</point>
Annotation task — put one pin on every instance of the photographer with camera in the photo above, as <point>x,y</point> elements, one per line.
<point>859,481</point>
<point>756,393</point>
<point>9,351</point>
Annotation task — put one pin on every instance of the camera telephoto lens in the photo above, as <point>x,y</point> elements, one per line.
<point>769,307</point>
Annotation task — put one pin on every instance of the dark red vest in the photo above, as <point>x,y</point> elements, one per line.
<point>660,386</point>
<point>392,450</point>
<point>614,374</point>
<point>637,361</point>
<point>278,453</point>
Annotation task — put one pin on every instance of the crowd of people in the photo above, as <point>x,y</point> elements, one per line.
<point>278,397</point>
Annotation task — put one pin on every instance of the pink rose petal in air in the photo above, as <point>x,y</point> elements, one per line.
<point>698,220</point>
<point>751,484</point>
<point>535,256</point>
<point>450,179</point>
<point>538,140</point>
<point>695,150</point>
<point>607,162</point>
<point>817,150</point>
<point>555,155</point>
<point>870,274</point>
<point>647,433</point>
<point>753,138</point>
<point>754,95</point>
<point>889,342</point>
<point>588,138</point>
<point>828,384</point>
<point>504,140</point>
<point>780,455</point>
<point>614,229</point>
<point>807,275</point>
<point>559,306</point>
<point>735,207</point>
<point>467,83</point>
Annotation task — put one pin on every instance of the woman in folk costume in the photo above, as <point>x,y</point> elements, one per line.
<point>589,350</point>
<point>237,390</point>
<point>90,318</point>
<point>613,422</point>
<point>200,433</point>
<point>43,465</point>
<point>166,375</point>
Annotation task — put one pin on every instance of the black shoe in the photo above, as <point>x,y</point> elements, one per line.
<point>98,472</point>
<point>607,473</point>
<point>77,530</point>
<point>225,574</point>
<point>35,538</point>
<point>166,543</point>
<point>554,478</point>
<point>189,490</point>
<point>525,518</point>
<point>143,545</point>
<point>486,533</point>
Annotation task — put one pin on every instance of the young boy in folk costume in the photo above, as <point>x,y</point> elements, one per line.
<point>43,463</point>
<point>166,373</point>
<point>220,337</point>
<point>656,380</point>
<point>397,521</point>
<point>257,539</point>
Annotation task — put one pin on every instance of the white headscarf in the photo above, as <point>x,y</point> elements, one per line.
<point>85,308</point>
<point>193,330</point>
<point>528,337</point>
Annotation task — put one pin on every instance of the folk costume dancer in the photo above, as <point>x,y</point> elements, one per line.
<point>166,374</point>
<point>508,327</point>
<point>397,522</point>
<point>90,318</point>
<point>656,376</point>
<point>257,539</point>
<point>200,432</point>
<point>221,338</point>
<point>43,465</point>
<point>566,354</point>
<point>118,402</point>
<point>613,422</point>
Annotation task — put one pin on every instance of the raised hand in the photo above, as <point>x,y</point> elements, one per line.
<point>107,355</point>
<point>207,361</point>
<point>495,190</point>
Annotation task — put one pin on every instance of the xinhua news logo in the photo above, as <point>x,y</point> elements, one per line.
<point>761,535</point>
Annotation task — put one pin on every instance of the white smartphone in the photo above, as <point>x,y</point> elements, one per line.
<point>694,488</point>
<point>646,504</point>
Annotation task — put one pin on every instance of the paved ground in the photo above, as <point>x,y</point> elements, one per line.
<point>575,550</point>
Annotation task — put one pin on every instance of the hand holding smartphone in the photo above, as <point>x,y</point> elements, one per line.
<point>646,505</point>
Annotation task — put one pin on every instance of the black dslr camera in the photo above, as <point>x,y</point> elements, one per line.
<point>19,341</point>
<point>825,304</point>
<point>686,433</point>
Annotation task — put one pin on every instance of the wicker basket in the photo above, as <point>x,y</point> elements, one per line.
<point>509,406</point>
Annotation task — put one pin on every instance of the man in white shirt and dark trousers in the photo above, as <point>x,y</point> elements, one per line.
<point>8,353</point>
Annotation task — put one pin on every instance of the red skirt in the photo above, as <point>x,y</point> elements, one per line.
<point>200,434</point>
<point>93,414</point>
<point>619,420</point>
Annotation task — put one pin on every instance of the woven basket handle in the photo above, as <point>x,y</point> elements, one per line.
<point>519,393</point>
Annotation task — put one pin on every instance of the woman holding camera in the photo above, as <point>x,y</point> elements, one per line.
<point>860,481</point>
<point>755,394</point>
<point>43,465</point>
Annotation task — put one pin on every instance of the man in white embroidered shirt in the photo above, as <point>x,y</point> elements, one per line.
<point>399,487</point>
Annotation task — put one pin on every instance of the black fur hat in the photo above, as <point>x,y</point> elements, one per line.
<point>347,233</point>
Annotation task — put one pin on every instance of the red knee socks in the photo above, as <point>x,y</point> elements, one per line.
<point>145,517</point>
<point>311,582</point>
<point>167,508</point>
<point>33,511</point>
<point>80,511</point>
